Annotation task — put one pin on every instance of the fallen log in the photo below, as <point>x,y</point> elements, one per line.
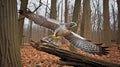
<point>71,58</point>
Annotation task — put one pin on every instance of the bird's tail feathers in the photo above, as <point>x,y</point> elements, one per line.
<point>103,51</point>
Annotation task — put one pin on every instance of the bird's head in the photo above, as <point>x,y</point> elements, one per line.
<point>72,24</point>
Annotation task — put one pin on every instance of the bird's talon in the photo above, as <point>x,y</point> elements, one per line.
<point>54,36</point>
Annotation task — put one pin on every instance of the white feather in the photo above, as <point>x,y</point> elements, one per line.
<point>78,36</point>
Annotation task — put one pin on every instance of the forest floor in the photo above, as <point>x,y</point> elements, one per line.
<point>33,58</point>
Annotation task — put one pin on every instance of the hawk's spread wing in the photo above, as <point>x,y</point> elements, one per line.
<point>40,20</point>
<point>85,45</point>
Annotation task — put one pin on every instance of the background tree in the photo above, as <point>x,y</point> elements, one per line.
<point>86,20</point>
<point>118,39</point>
<point>106,23</point>
<point>9,40</point>
<point>113,29</point>
<point>61,11</point>
<point>23,6</point>
<point>53,11</point>
<point>76,12</point>
<point>30,30</point>
<point>66,11</point>
<point>46,9</point>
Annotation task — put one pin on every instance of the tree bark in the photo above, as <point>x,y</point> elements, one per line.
<point>118,39</point>
<point>113,30</point>
<point>23,6</point>
<point>61,17</point>
<point>86,20</point>
<point>76,11</point>
<point>106,23</point>
<point>53,11</point>
<point>30,30</point>
<point>46,10</point>
<point>9,45</point>
<point>66,11</point>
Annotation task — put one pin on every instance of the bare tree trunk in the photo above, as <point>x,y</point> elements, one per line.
<point>53,11</point>
<point>76,11</point>
<point>106,23</point>
<point>46,12</point>
<point>113,31</point>
<point>78,24</point>
<point>9,41</point>
<point>66,11</point>
<point>30,30</point>
<point>61,18</point>
<point>86,20</point>
<point>118,39</point>
<point>23,6</point>
<point>58,9</point>
<point>46,9</point>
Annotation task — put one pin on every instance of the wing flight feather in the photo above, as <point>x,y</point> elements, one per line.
<point>40,20</point>
<point>85,45</point>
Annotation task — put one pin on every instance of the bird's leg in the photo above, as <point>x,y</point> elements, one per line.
<point>54,36</point>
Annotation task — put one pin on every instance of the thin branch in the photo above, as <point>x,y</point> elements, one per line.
<point>40,4</point>
<point>37,7</point>
<point>45,5</point>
